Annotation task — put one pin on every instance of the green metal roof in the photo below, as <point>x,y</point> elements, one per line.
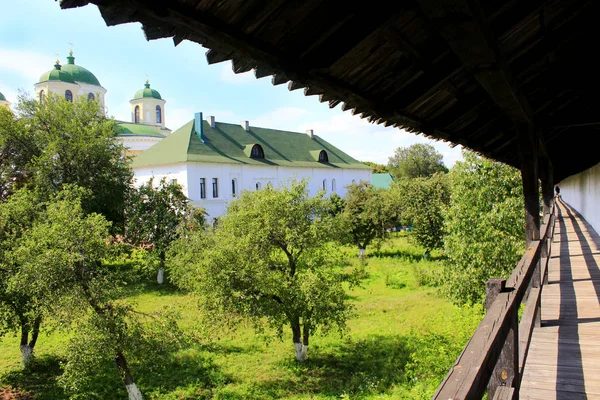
<point>127,129</point>
<point>57,74</point>
<point>70,73</point>
<point>78,73</point>
<point>229,143</point>
<point>146,92</point>
<point>382,181</point>
<point>2,98</point>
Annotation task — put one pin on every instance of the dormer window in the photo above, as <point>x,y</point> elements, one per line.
<point>257,152</point>
<point>323,156</point>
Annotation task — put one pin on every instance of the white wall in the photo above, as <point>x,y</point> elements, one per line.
<point>247,176</point>
<point>582,192</point>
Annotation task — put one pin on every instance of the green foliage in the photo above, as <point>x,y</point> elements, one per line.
<point>18,308</point>
<point>422,201</point>
<point>484,224</point>
<point>335,204</point>
<point>62,265</point>
<point>267,260</point>
<point>376,168</point>
<point>434,350</point>
<point>157,215</point>
<point>150,341</point>
<point>416,161</point>
<point>47,146</point>
<point>365,216</point>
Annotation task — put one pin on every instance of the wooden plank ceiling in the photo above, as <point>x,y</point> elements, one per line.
<point>457,70</point>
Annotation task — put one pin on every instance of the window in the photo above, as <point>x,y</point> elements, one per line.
<point>91,96</point>
<point>68,96</point>
<point>257,185</point>
<point>257,152</point>
<point>202,188</point>
<point>215,183</point>
<point>42,97</point>
<point>158,115</point>
<point>323,156</point>
<point>333,185</point>
<point>325,184</point>
<point>233,191</point>
<point>136,118</point>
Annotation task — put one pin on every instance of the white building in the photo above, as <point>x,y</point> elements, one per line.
<point>215,161</point>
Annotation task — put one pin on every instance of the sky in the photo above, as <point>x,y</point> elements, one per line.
<point>33,32</point>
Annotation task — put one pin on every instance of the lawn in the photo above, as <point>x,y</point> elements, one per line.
<point>401,340</point>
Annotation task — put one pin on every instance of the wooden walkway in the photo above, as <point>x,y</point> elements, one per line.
<point>564,357</point>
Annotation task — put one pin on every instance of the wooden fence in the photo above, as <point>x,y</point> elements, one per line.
<point>494,357</point>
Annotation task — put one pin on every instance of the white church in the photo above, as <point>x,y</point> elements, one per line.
<point>213,161</point>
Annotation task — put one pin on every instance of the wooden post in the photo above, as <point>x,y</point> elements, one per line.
<point>507,367</point>
<point>547,178</point>
<point>528,144</point>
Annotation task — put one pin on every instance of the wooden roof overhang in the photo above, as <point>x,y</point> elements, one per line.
<point>462,71</point>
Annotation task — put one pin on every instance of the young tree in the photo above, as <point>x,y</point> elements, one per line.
<point>44,148</point>
<point>19,310</point>
<point>153,216</point>
<point>365,217</point>
<point>484,226</point>
<point>63,254</point>
<point>422,201</point>
<point>267,260</point>
<point>416,161</point>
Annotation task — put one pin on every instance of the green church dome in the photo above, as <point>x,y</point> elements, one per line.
<point>70,73</point>
<point>57,74</point>
<point>147,92</point>
<point>2,98</point>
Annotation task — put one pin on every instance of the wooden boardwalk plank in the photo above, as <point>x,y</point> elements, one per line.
<point>564,355</point>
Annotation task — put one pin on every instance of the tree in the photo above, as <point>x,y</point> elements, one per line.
<point>365,217</point>
<point>154,215</point>
<point>63,254</point>
<point>422,201</point>
<point>44,148</point>
<point>57,143</point>
<point>19,310</point>
<point>267,260</point>
<point>416,161</point>
<point>484,226</point>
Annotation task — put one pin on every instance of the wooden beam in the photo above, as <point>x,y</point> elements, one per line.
<point>464,26</point>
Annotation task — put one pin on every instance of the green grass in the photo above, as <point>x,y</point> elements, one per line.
<point>400,342</point>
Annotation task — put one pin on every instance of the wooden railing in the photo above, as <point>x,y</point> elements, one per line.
<point>494,357</point>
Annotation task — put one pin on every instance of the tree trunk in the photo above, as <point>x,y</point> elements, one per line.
<point>132,389</point>
<point>361,252</point>
<point>296,337</point>
<point>160,278</point>
<point>27,346</point>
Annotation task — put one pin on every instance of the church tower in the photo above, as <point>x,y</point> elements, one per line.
<point>147,107</point>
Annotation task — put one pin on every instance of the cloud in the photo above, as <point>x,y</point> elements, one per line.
<point>227,75</point>
<point>283,118</point>
<point>25,63</point>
